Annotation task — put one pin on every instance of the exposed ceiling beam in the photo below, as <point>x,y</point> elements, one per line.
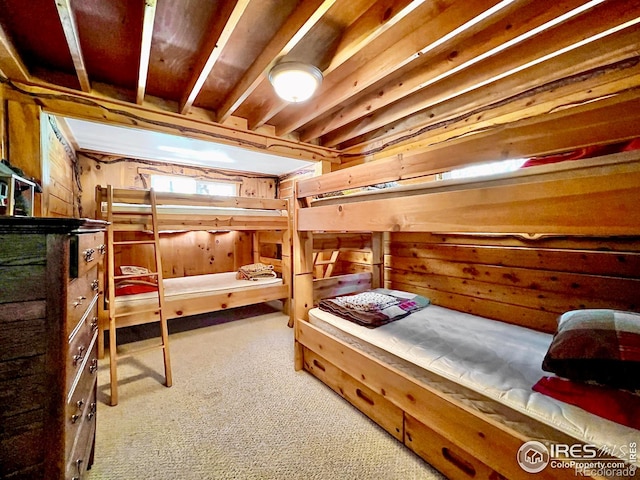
<point>11,65</point>
<point>373,23</point>
<point>458,55</point>
<point>145,48</point>
<point>70,27</point>
<point>560,42</point>
<point>294,29</point>
<point>454,19</point>
<point>211,55</point>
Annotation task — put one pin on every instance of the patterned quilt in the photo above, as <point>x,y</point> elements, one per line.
<point>374,307</point>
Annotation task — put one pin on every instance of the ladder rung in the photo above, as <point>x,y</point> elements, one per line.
<point>134,242</point>
<point>137,312</point>
<point>138,351</point>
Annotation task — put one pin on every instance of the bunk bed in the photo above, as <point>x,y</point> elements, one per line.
<point>266,219</point>
<point>453,381</point>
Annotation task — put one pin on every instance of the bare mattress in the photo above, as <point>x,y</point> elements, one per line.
<point>198,286</point>
<point>496,359</point>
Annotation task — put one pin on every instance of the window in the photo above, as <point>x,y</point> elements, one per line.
<point>484,169</point>
<point>167,183</point>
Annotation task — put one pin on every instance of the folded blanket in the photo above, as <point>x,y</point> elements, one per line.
<point>255,271</point>
<point>374,307</point>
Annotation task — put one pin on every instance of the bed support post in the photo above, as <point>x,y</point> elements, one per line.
<point>302,280</point>
<point>287,273</point>
<point>377,260</point>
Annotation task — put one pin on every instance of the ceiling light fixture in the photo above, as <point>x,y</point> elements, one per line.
<point>295,81</point>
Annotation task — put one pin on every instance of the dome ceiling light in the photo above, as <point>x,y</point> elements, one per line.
<point>295,81</point>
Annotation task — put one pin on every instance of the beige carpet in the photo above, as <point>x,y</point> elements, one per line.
<point>237,410</point>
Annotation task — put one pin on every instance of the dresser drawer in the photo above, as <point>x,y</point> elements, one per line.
<point>80,295</point>
<point>81,401</point>
<point>87,250</point>
<point>79,453</point>
<point>80,343</point>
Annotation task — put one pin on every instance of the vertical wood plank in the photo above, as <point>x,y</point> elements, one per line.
<point>24,144</point>
<point>377,260</point>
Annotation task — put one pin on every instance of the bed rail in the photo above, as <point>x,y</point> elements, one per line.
<point>582,197</point>
<point>194,212</point>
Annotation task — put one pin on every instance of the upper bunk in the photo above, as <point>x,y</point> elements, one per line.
<point>190,212</point>
<point>595,196</point>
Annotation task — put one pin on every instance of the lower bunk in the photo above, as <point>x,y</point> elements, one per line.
<point>457,390</point>
<point>193,295</point>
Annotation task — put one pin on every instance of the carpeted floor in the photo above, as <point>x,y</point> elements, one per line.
<point>237,410</point>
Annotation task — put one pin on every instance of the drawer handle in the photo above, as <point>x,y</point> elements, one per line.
<point>78,302</point>
<point>92,411</point>
<point>88,255</point>
<point>79,463</point>
<point>459,462</point>
<point>95,285</point>
<point>94,366</point>
<point>74,418</point>
<point>80,403</point>
<point>94,324</point>
<point>364,397</point>
<point>102,249</point>
<point>319,365</point>
<point>78,356</point>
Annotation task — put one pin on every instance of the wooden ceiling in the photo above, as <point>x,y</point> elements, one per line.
<point>395,71</point>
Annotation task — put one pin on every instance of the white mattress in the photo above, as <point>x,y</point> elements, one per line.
<point>193,209</point>
<point>496,359</point>
<point>197,286</point>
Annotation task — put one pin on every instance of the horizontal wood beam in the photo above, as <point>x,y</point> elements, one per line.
<point>591,201</point>
<point>67,102</point>
<point>369,26</point>
<point>145,48</point>
<point>292,32</point>
<point>211,55</point>
<point>11,65</point>
<point>604,121</point>
<point>444,21</point>
<point>531,21</point>
<point>70,28</point>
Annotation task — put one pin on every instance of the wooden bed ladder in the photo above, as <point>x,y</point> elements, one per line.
<point>114,226</point>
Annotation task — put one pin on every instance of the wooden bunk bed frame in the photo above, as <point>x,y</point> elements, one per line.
<point>272,227</point>
<point>456,430</point>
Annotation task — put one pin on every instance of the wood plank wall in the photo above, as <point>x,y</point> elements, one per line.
<point>186,253</point>
<point>60,164</point>
<point>520,281</point>
<point>190,253</point>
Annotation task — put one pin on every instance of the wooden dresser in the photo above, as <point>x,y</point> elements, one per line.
<point>48,346</point>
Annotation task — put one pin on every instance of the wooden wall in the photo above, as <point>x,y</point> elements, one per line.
<point>527,282</point>
<point>61,172</point>
<point>126,172</point>
<point>186,253</point>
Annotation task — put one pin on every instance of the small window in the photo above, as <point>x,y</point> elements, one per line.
<point>226,189</point>
<point>167,183</point>
<point>492,168</point>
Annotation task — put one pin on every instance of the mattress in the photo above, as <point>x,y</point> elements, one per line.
<point>197,286</point>
<point>496,359</point>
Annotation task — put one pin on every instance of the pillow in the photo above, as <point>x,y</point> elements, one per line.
<point>136,270</point>
<point>602,346</point>
<point>611,403</point>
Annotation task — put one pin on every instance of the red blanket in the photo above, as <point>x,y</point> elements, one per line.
<point>616,405</point>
